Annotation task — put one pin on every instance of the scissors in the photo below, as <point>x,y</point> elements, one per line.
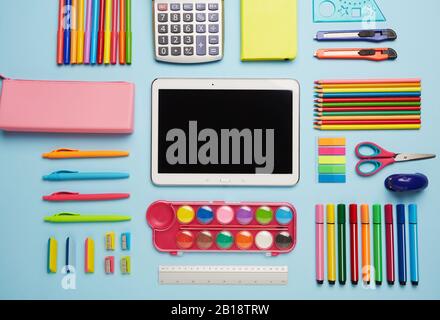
<point>373,155</point>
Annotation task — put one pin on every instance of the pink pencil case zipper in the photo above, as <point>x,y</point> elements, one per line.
<point>66,106</point>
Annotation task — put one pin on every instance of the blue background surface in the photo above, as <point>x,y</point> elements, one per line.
<point>28,42</point>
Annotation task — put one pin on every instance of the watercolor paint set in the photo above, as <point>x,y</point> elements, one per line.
<point>223,227</point>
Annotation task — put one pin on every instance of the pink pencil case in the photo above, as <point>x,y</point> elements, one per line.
<point>66,106</point>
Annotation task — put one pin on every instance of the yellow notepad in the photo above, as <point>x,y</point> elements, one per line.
<point>268,30</point>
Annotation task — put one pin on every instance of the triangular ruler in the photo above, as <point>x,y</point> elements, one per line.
<point>347,11</point>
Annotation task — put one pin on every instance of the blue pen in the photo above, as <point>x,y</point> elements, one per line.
<point>94,32</point>
<point>64,175</point>
<point>413,244</point>
<point>67,26</point>
<point>401,243</point>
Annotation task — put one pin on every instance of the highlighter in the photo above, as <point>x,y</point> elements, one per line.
<point>366,262</point>
<point>413,244</point>
<point>331,255</point>
<point>377,243</point>
<point>401,244</point>
<point>342,254</point>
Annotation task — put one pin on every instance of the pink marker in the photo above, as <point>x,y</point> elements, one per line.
<point>87,33</point>
<point>319,210</point>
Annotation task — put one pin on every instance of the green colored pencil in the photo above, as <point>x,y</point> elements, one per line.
<point>368,113</point>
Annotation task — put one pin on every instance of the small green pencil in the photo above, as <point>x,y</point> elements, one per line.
<point>377,243</point>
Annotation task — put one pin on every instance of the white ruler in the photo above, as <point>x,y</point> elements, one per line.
<point>224,275</point>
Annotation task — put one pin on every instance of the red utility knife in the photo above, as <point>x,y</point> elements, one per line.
<point>374,54</point>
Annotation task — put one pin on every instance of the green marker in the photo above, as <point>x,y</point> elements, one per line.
<point>128,32</point>
<point>377,243</point>
<point>342,263</point>
<point>70,217</point>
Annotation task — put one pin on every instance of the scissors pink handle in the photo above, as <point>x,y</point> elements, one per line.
<point>379,158</point>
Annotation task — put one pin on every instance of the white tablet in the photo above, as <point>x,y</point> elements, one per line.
<point>225,132</point>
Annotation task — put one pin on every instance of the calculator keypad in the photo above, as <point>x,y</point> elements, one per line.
<point>188,31</point>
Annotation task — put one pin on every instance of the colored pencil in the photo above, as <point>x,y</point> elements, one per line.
<point>355,118</point>
<point>80,32</point>
<point>383,99</point>
<point>60,33</point>
<point>368,94</point>
<point>101,31</point>
<point>354,122</point>
<point>369,127</point>
<point>369,90</point>
<point>94,33</point>
<point>107,32</point>
<point>376,113</point>
<point>67,26</point>
<point>87,35</point>
<point>128,32</point>
<point>368,104</point>
<point>114,34</point>
<point>122,16</point>
<point>367,85</point>
<point>366,109</point>
<point>355,81</point>
<point>74,31</point>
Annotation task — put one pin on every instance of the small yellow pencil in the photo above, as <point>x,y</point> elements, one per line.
<point>107,31</point>
<point>74,32</point>
<point>80,32</point>
<point>369,127</point>
<point>331,252</point>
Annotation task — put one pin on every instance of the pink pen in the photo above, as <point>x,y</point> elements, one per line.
<point>87,32</point>
<point>114,33</point>
<point>319,210</point>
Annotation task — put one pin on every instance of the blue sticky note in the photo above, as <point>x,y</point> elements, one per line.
<point>332,178</point>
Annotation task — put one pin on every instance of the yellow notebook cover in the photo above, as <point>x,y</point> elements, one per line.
<point>268,30</point>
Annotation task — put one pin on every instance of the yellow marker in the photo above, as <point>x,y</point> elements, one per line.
<point>331,251</point>
<point>80,32</point>
<point>332,159</point>
<point>125,265</point>
<point>185,214</point>
<point>369,127</point>
<point>74,34</point>
<point>107,31</point>
<point>110,241</point>
<point>90,256</point>
<point>52,251</point>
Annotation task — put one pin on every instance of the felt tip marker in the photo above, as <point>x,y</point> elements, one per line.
<point>122,35</point>
<point>74,31</point>
<point>342,243</point>
<point>67,28</point>
<point>101,31</point>
<point>94,33</point>
<point>331,247</point>
<point>107,31</point>
<point>401,244</point>
<point>377,243</point>
<point>114,34</point>
<point>366,262</point>
<point>60,33</point>
<point>80,32</point>
<point>87,34</point>
<point>354,255</point>
<point>389,243</point>
<point>413,244</point>
<point>129,36</point>
<point>319,220</point>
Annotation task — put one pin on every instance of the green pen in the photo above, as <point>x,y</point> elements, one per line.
<point>70,217</point>
<point>377,243</point>
<point>128,35</point>
<point>342,268</point>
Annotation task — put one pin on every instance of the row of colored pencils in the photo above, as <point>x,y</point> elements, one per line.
<point>375,104</point>
<point>88,32</point>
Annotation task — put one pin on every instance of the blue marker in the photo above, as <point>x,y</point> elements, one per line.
<point>67,28</point>
<point>94,32</point>
<point>413,244</point>
<point>401,243</point>
<point>64,175</point>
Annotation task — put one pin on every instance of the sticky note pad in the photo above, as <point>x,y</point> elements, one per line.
<point>332,160</point>
<point>331,169</point>
<point>332,178</point>
<point>331,142</point>
<point>268,30</point>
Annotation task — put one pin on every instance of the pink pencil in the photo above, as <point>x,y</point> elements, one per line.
<point>359,81</point>
<point>114,34</point>
<point>319,210</point>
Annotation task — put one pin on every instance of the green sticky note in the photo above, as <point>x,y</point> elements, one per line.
<point>331,169</point>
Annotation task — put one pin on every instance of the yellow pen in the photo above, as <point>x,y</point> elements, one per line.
<point>80,33</point>
<point>72,153</point>
<point>73,30</point>
<point>331,253</point>
<point>107,32</point>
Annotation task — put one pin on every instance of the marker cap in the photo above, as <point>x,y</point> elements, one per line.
<point>330,213</point>
<point>412,218</point>
<point>341,213</point>
<point>389,214</point>
<point>377,214</point>
<point>353,213</point>
<point>400,213</point>
<point>365,214</point>
<point>319,211</point>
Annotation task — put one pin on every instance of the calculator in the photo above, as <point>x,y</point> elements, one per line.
<point>188,31</point>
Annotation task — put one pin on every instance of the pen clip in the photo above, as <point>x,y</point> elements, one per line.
<point>65,171</point>
<point>64,193</point>
<point>64,150</point>
<point>66,214</point>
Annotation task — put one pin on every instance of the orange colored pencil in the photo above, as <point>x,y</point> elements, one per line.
<point>366,263</point>
<point>122,51</point>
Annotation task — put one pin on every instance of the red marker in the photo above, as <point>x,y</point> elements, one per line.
<point>114,34</point>
<point>389,243</point>
<point>74,196</point>
<point>354,260</point>
<point>101,32</point>
<point>60,34</point>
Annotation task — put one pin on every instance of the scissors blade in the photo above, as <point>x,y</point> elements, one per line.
<point>402,157</point>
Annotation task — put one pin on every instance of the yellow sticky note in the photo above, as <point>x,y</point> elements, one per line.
<point>268,30</point>
<point>332,159</point>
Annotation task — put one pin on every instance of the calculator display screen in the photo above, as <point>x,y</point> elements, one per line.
<point>225,131</point>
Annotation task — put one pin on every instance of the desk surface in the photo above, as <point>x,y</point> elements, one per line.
<point>28,39</point>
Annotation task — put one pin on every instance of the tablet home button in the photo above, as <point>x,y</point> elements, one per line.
<point>225,180</point>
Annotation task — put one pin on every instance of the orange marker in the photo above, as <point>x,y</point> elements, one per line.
<point>374,54</point>
<point>122,51</point>
<point>366,263</point>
